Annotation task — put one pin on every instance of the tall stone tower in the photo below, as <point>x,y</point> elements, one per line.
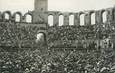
<point>41,5</point>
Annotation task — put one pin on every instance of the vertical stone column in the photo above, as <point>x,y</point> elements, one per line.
<point>76,19</point>
<point>110,15</point>
<point>0,16</point>
<point>23,19</point>
<point>56,19</point>
<point>66,19</point>
<point>98,17</point>
<point>45,17</point>
<point>98,23</point>
<point>14,19</point>
<point>114,14</point>
<point>87,19</point>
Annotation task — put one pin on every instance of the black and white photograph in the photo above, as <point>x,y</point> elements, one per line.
<point>57,36</point>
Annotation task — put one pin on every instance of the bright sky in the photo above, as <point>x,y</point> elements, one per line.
<point>59,5</point>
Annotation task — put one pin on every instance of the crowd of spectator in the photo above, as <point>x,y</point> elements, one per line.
<point>13,34</point>
<point>67,36</point>
<point>60,61</point>
<point>71,33</point>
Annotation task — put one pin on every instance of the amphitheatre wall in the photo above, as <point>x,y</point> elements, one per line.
<point>93,20</point>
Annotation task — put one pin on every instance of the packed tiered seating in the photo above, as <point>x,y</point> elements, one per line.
<point>56,62</point>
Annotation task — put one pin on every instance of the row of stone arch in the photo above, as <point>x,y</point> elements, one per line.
<point>81,18</point>
<point>93,18</point>
<point>84,18</point>
<point>17,17</point>
<point>61,20</point>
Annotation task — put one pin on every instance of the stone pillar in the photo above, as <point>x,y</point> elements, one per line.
<point>87,19</point>
<point>0,16</point>
<point>98,17</point>
<point>23,19</point>
<point>66,19</point>
<point>56,20</point>
<point>110,15</point>
<point>114,14</point>
<point>13,18</point>
<point>76,19</point>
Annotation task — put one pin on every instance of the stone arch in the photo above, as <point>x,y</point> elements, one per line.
<point>82,19</point>
<point>6,15</point>
<point>93,18</point>
<point>50,20</point>
<point>71,19</point>
<point>41,36</point>
<point>61,20</point>
<point>17,16</point>
<point>104,16</point>
<point>28,18</point>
